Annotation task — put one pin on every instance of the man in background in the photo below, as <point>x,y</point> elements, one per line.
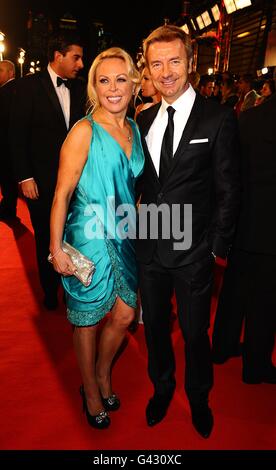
<point>8,183</point>
<point>46,106</point>
<point>249,286</point>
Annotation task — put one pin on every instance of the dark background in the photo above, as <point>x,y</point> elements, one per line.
<point>142,16</point>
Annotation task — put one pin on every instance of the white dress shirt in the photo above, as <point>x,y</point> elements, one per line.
<point>63,94</point>
<point>183,106</point>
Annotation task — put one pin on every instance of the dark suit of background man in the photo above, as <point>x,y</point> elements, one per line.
<point>7,181</point>
<point>249,286</point>
<point>43,112</point>
<point>203,172</point>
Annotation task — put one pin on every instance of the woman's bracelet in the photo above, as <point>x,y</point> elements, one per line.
<point>51,256</point>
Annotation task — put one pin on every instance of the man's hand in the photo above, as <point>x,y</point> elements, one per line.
<point>29,189</point>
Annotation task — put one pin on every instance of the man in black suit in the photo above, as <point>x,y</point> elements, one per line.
<point>7,181</point>
<point>249,286</point>
<point>46,106</point>
<point>191,173</point>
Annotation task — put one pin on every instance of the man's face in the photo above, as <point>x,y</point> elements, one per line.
<point>208,89</point>
<point>169,68</point>
<point>70,63</point>
<point>5,74</point>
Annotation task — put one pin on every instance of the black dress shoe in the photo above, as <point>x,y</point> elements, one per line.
<point>157,408</point>
<point>202,420</point>
<point>268,377</point>
<point>222,357</point>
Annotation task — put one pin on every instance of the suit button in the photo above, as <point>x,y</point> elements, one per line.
<point>159,197</point>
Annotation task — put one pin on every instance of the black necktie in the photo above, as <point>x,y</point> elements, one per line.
<point>167,147</point>
<point>66,82</point>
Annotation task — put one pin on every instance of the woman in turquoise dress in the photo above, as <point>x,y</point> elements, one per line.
<point>94,211</point>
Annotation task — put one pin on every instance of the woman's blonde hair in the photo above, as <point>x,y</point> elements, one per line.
<point>111,53</point>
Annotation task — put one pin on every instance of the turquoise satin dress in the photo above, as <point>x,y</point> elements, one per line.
<point>101,224</point>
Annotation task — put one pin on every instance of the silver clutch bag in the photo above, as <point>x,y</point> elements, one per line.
<point>84,266</point>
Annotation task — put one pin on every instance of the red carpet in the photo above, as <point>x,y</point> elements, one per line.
<point>40,403</point>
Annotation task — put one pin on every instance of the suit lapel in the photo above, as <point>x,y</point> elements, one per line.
<point>144,125</point>
<point>146,118</point>
<point>147,121</point>
<point>48,85</point>
<point>187,133</point>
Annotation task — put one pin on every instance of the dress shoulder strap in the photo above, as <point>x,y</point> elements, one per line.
<point>89,118</point>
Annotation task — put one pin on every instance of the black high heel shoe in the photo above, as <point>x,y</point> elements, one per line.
<point>111,403</point>
<point>100,421</point>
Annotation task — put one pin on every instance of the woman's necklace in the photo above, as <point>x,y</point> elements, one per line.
<point>122,130</point>
<point>129,134</point>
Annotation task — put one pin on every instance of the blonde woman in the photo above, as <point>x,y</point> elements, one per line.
<point>148,90</point>
<point>99,163</point>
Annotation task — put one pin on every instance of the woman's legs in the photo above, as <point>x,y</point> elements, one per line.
<point>85,348</point>
<point>111,338</point>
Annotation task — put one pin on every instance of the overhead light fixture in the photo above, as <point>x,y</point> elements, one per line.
<point>203,20</point>
<point>242,4</point>
<point>200,22</point>
<point>233,5</point>
<point>262,71</point>
<point>68,20</point>
<point>210,71</point>
<point>185,28</point>
<point>193,24</point>
<point>243,35</point>
<point>230,6</point>
<point>215,12</point>
<point>206,18</point>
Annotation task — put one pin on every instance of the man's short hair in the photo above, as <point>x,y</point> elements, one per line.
<point>61,41</point>
<point>168,33</point>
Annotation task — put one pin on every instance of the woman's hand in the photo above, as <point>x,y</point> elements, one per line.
<point>62,263</point>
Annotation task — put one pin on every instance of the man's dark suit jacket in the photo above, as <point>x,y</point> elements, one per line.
<point>204,174</point>
<point>6,97</point>
<point>38,128</point>
<point>256,230</point>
